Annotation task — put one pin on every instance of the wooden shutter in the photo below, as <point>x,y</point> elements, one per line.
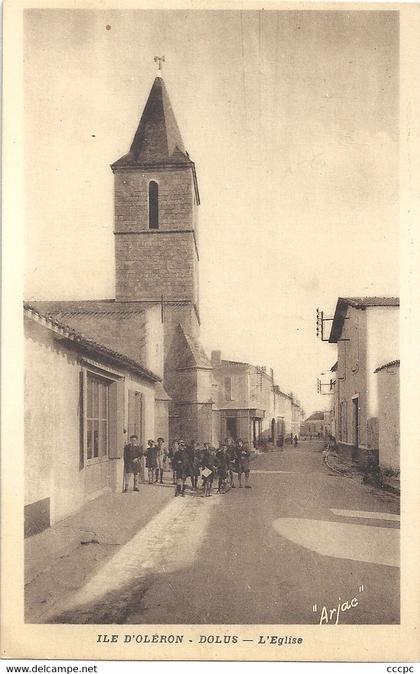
<point>82,417</point>
<point>139,416</point>
<point>131,413</point>
<point>117,438</point>
<point>135,414</point>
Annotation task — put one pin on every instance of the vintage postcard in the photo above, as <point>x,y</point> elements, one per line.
<point>210,288</point>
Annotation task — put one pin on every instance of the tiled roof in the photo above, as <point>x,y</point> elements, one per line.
<point>113,324</point>
<point>95,307</point>
<point>358,303</point>
<point>316,416</point>
<point>392,363</point>
<point>88,307</point>
<point>234,363</point>
<point>88,344</point>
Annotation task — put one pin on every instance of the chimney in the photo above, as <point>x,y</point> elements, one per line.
<point>216,358</point>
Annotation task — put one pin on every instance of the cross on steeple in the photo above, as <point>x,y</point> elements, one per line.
<point>159,60</point>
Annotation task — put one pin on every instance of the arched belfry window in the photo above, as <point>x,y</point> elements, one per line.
<point>153,205</point>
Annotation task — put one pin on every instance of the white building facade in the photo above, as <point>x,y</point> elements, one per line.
<point>366,331</point>
<point>82,402</point>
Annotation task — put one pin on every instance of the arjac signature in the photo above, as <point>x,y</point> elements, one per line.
<point>331,616</point>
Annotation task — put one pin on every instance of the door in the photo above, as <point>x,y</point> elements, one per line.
<point>355,402</point>
<point>231,428</point>
<point>254,432</point>
<point>273,431</point>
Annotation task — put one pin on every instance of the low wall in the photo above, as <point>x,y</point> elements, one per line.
<point>350,454</point>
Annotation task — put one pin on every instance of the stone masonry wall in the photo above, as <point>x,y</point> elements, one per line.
<point>153,264</point>
<point>123,332</point>
<point>176,199</point>
<point>191,422</point>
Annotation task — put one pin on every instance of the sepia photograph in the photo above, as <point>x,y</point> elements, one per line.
<point>211,323</point>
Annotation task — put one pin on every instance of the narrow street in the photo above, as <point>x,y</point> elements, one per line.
<point>301,539</point>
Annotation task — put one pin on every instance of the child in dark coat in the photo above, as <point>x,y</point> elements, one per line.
<point>132,459</point>
<point>207,469</point>
<point>151,459</point>
<point>243,458</point>
<point>222,463</point>
<point>180,465</point>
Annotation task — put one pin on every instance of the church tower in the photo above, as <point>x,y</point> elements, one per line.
<point>156,200</point>
<point>156,255</point>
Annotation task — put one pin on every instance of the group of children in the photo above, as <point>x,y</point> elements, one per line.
<point>191,462</point>
<point>134,455</point>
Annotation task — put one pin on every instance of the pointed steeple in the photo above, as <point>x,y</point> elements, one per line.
<point>157,140</point>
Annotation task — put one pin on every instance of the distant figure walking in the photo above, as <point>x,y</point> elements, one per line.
<point>295,440</point>
<point>132,462</point>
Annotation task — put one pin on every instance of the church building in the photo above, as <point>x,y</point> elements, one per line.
<point>155,317</point>
<point>98,370</point>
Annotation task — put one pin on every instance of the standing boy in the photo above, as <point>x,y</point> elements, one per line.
<point>132,458</point>
<point>160,458</point>
<point>207,465</point>
<point>171,453</point>
<point>231,455</point>
<point>245,460</point>
<point>222,463</point>
<point>180,463</point>
<point>151,459</point>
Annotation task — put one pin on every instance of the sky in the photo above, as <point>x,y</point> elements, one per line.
<point>292,120</point>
